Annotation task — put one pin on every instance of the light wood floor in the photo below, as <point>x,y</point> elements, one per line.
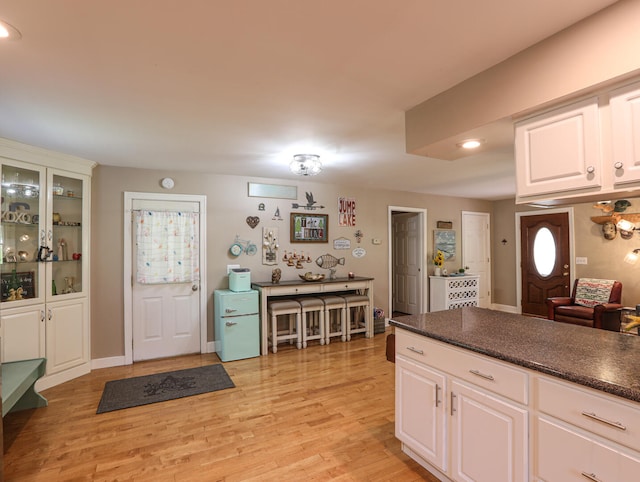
<point>324,413</point>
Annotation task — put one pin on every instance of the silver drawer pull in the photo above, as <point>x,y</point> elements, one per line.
<point>437,391</point>
<point>230,323</point>
<point>480,374</point>
<point>604,420</point>
<point>230,310</point>
<point>591,477</point>
<point>415,350</point>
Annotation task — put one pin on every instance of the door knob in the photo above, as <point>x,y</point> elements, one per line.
<point>194,288</point>
<point>566,273</point>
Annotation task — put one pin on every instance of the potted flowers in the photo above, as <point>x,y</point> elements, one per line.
<point>438,261</point>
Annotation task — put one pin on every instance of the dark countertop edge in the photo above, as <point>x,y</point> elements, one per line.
<point>589,382</point>
<point>269,284</point>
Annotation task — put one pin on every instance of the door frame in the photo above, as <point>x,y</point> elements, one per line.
<point>572,257</point>
<point>422,214</point>
<point>128,259</point>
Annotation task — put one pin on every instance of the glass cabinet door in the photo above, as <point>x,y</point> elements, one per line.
<point>20,235</point>
<point>67,215</point>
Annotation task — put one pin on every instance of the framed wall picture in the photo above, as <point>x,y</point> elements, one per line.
<point>309,228</point>
<point>272,190</point>
<point>26,280</point>
<point>445,241</point>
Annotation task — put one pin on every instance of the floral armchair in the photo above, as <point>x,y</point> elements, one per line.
<point>589,300</point>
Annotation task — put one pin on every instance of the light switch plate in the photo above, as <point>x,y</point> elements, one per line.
<point>581,260</point>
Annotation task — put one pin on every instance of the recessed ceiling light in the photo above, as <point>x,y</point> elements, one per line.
<point>8,31</point>
<point>471,143</point>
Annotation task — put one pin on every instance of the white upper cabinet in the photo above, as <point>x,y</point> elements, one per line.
<point>625,124</point>
<point>559,150</point>
<point>581,151</point>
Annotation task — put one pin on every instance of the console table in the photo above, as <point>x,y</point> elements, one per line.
<point>293,288</point>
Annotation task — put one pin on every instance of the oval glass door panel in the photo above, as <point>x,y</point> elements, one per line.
<point>544,252</point>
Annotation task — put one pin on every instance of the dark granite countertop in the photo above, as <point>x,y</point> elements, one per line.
<point>600,359</point>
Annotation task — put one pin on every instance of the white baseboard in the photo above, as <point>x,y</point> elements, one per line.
<point>57,378</point>
<point>505,308</point>
<point>114,361</point>
<point>118,361</point>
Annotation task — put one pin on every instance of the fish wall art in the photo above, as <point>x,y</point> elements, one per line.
<point>328,261</point>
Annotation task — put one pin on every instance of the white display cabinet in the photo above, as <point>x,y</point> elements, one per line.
<point>44,259</point>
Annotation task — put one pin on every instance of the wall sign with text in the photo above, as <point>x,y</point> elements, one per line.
<point>346,211</point>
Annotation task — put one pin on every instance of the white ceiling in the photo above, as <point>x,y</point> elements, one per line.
<point>239,86</point>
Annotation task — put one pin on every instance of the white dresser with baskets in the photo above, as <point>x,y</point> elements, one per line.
<point>450,292</point>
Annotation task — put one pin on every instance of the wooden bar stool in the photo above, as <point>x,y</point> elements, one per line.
<point>352,304</point>
<point>336,325</point>
<point>285,307</point>
<point>312,310</point>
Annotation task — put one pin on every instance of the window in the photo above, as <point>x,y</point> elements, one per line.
<point>544,252</point>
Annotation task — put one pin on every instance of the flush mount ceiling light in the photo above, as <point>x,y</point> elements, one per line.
<point>8,31</point>
<point>471,143</point>
<point>306,164</point>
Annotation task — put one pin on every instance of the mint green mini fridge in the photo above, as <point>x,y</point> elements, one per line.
<point>237,324</point>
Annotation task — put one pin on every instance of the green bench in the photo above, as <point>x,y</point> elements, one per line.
<point>18,385</point>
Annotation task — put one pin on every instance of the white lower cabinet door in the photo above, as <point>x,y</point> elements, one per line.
<point>420,410</point>
<point>489,437</point>
<point>67,335</point>
<point>23,333</point>
<point>565,455</point>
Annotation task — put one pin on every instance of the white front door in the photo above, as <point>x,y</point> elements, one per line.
<point>476,251</point>
<point>166,317</point>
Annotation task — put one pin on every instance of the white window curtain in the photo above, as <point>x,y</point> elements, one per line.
<point>167,247</point>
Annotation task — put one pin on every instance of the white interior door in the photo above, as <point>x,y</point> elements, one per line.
<point>406,262</point>
<point>166,317</point>
<point>476,251</point>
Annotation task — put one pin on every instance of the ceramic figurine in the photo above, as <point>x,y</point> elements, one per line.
<point>609,230</point>
<point>276,274</point>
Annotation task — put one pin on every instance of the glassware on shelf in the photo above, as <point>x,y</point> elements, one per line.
<point>63,254</point>
<point>69,282</point>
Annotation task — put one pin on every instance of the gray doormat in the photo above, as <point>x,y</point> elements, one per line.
<point>133,392</point>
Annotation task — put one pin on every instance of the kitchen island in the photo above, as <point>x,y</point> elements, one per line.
<point>488,396</point>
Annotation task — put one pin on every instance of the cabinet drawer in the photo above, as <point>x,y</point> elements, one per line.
<point>602,415</point>
<point>493,375</point>
<point>346,286</point>
<point>482,371</point>
<point>416,347</point>
<point>295,290</point>
<point>564,454</point>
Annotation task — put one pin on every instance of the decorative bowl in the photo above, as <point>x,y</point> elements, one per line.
<point>311,276</point>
